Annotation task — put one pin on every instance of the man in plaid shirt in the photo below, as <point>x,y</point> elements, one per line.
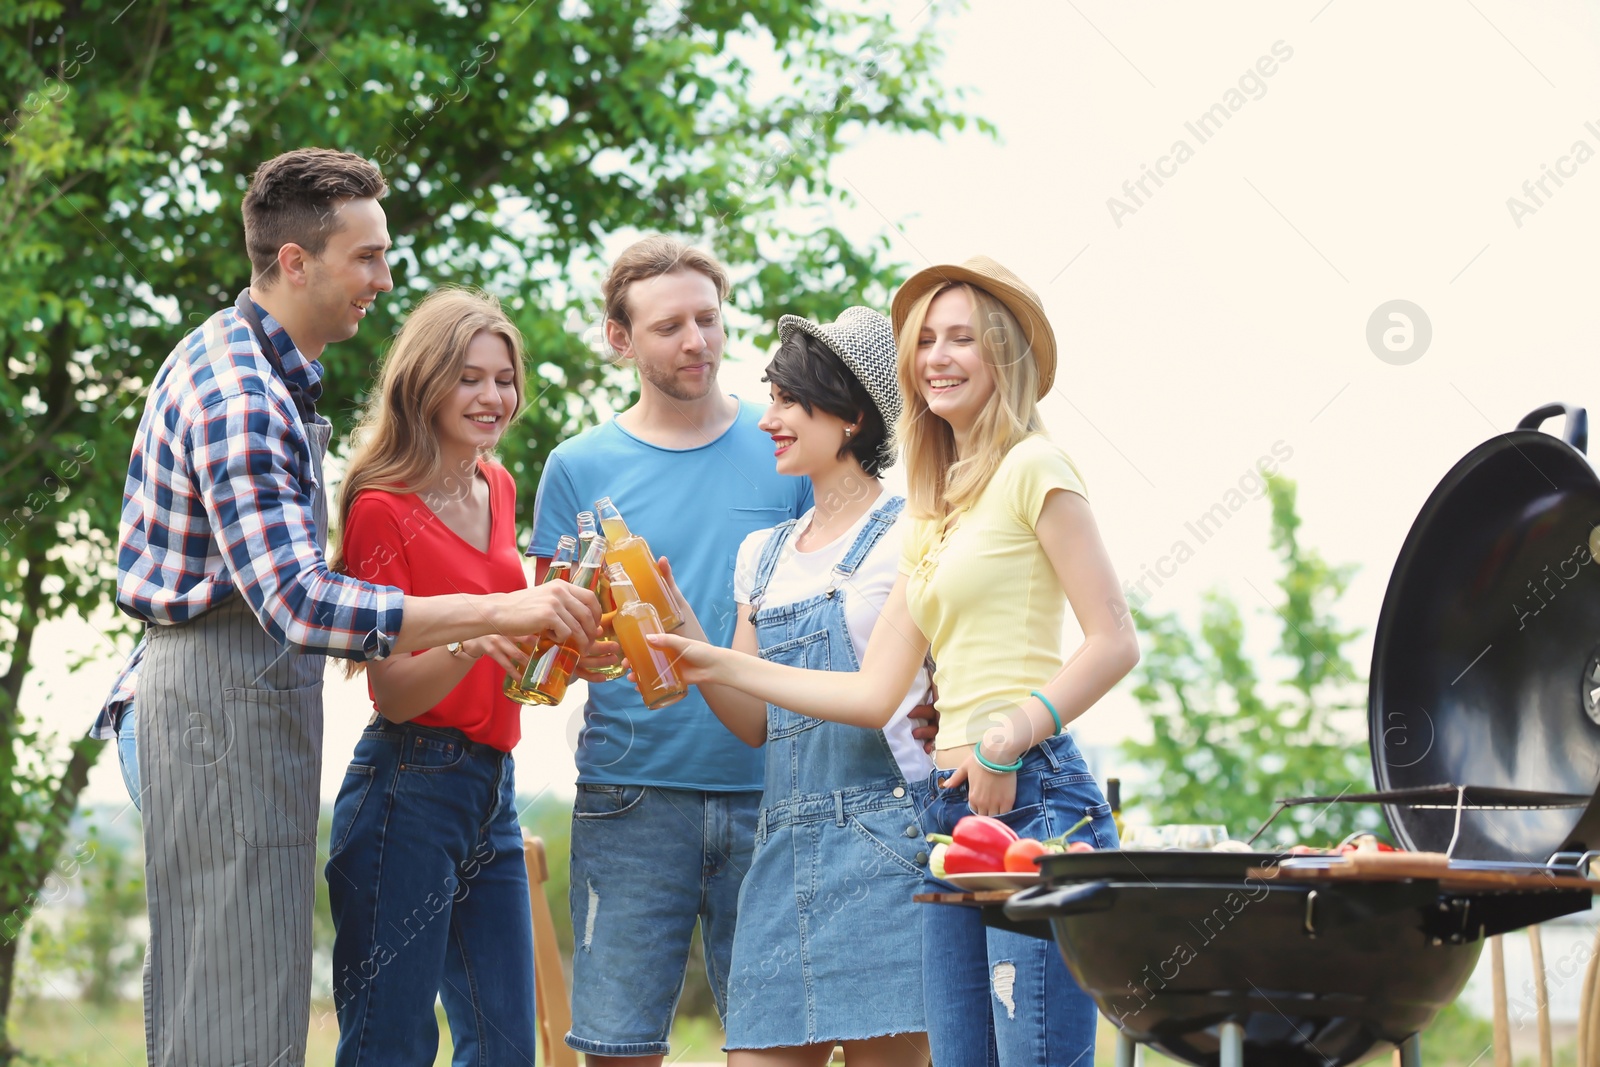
<point>221,554</point>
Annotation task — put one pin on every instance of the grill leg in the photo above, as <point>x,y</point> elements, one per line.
<point>1232,1045</point>
<point>1127,1049</point>
<point>1411,1051</point>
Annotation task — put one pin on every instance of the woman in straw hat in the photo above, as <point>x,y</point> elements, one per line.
<point>839,850</point>
<point>1002,541</point>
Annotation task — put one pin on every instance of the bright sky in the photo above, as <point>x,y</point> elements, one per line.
<point>1222,313</point>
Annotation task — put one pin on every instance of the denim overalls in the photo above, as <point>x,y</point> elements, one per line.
<point>829,942</point>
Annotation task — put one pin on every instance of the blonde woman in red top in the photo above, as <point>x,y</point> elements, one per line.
<point>425,869</point>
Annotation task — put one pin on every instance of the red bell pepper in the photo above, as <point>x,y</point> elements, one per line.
<point>978,844</point>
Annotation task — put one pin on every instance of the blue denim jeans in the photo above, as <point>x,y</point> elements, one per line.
<point>128,753</point>
<point>647,862</point>
<point>998,999</point>
<point>430,898</point>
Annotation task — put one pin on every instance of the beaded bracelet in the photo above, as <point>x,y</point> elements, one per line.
<point>1051,708</point>
<point>998,768</point>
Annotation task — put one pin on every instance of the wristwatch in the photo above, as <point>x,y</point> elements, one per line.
<point>454,648</point>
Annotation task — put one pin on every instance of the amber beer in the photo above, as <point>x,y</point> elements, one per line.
<point>631,551</point>
<point>550,672</point>
<point>659,684</point>
<point>517,687</point>
<point>586,535</point>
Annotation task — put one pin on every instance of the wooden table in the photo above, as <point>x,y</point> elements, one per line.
<point>990,900</point>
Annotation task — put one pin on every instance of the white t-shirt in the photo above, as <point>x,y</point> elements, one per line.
<point>802,575</point>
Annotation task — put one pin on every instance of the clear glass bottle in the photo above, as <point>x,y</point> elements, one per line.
<point>545,679</point>
<point>659,684</point>
<point>631,550</point>
<point>560,570</point>
<point>586,535</point>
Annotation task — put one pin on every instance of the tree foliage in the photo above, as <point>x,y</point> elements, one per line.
<point>98,941</point>
<point>519,139</point>
<point>1229,742</point>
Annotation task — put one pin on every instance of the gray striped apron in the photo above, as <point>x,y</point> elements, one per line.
<point>230,756</point>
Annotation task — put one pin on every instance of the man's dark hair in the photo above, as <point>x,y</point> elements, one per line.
<point>812,374</point>
<point>294,199</point>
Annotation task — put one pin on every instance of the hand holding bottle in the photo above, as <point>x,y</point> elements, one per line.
<point>696,660</point>
<point>505,651</point>
<point>558,608</point>
<point>691,622</point>
<point>600,663</point>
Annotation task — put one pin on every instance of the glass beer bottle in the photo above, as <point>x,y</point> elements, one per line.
<point>586,535</point>
<point>659,684</point>
<point>547,675</point>
<point>560,570</point>
<point>631,551</point>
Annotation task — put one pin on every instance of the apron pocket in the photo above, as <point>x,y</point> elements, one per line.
<point>273,771</point>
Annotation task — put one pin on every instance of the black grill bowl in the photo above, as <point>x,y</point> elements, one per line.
<point>1168,962</point>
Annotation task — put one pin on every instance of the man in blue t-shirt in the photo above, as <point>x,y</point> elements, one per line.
<point>664,821</point>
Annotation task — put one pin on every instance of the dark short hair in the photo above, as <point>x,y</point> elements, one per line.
<point>812,374</point>
<point>293,199</point>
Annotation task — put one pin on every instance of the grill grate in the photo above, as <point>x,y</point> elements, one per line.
<point>1456,798</point>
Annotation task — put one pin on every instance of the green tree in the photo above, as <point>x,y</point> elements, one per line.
<point>97,942</point>
<point>1228,742</point>
<point>517,136</point>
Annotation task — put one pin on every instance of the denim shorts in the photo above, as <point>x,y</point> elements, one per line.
<point>647,863</point>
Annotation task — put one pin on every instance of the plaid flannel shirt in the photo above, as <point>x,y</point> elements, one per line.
<point>219,500</point>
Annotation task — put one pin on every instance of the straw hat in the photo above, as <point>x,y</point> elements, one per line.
<point>1010,290</point>
<point>863,339</point>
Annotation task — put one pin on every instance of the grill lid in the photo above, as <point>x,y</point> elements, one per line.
<point>1486,659</point>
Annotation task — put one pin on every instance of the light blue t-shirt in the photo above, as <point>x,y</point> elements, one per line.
<point>693,506</point>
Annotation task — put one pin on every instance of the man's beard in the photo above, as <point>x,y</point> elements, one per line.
<point>667,383</point>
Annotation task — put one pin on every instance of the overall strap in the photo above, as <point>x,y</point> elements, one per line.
<point>878,524</point>
<point>770,552</point>
<point>304,402</point>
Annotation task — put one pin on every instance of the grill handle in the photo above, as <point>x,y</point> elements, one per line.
<point>1042,902</point>
<point>1574,433</point>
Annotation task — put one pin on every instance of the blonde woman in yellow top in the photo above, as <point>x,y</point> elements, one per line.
<point>1002,541</point>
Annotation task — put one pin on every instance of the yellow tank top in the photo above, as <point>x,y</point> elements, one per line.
<point>982,591</point>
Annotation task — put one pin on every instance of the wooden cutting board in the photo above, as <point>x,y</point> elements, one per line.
<point>1397,866</point>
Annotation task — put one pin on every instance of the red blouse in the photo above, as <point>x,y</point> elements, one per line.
<point>396,539</point>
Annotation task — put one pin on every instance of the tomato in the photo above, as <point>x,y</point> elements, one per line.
<point>1079,846</point>
<point>1019,856</point>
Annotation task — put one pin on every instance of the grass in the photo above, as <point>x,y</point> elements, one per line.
<point>58,1033</point>
<point>1456,1039</point>
<point>55,1033</point>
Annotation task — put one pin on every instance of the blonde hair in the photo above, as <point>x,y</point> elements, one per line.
<point>652,257</point>
<point>397,448</point>
<point>938,479</point>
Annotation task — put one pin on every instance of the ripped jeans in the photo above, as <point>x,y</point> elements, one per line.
<point>998,999</point>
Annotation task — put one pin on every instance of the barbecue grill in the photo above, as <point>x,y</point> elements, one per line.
<point>1484,720</point>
